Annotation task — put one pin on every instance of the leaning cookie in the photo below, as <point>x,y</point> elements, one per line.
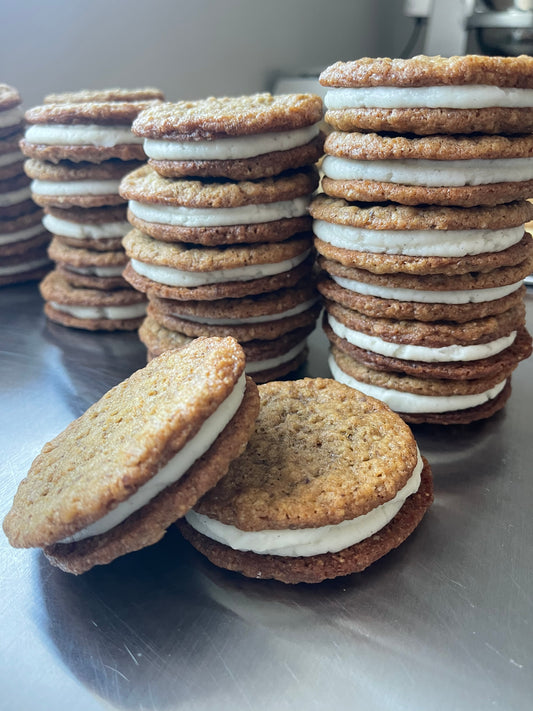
<point>151,447</point>
<point>330,481</point>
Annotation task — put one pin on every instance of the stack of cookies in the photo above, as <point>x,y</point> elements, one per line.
<point>420,231</point>
<point>222,241</point>
<point>23,239</point>
<point>79,146</point>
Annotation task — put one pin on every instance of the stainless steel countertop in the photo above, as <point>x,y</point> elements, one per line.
<point>443,622</point>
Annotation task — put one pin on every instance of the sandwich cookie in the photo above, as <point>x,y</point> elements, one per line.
<point>15,197</point>
<point>185,272</point>
<point>68,184</point>
<point>216,212</point>
<point>331,481</point>
<point>11,115</point>
<point>87,96</point>
<point>89,268</point>
<point>431,95</point>
<point>241,138</point>
<point>92,309</point>
<point>95,228</point>
<point>31,264</point>
<point>152,446</point>
<point>11,159</point>
<point>438,170</point>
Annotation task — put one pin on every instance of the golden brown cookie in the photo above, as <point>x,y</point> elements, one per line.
<point>95,228</point>
<point>89,268</point>
<point>85,96</point>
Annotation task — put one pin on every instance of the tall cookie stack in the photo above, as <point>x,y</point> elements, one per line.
<point>420,231</point>
<point>222,240</point>
<point>79,146</point>
<point>23,239</point>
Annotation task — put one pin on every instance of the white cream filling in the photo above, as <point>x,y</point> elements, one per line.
<point>431,173</point>
<point>259,365</point>
<point>7,270</point>
<point>10,158</point>
<point>21,235</point>
<point>97,271</point>
<point>466,296</point>
<point>267,318</point>
<point>230,148</point>
<point>222,216</point>
<point>308,541</point>
<point>410,402</point>
<point>111,312</point>
<point>173,470</point>
<point>80,230</point>
<point>11,117</point>
<point>80,135</point>
<point>405,351</point>
<point>433,97</point>
<point>418,243</point>
<point>177,277</point>
<point>75,187</point>
<point>15,196</point>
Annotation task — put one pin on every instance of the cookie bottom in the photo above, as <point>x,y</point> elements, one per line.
<point>315,569</point>
<point>92,324</point>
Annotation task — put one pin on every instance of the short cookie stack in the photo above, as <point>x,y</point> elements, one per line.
<point>22,237</point>
<point>222,240</point>
<point>79,146</point>
<point>420,231</point>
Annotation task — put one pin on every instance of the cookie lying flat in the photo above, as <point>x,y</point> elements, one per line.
<point>21,230</point>
<point>30,265</point>
<point>15,197</point>
<point>89,268</point>
<point>102,95</point>
<point>11,116</point>
<point>151,447</point>
<point>11,159</point>
<point>97,228</point>
<point>213,212</point>
<point>431,95</point>
<point>330,481</point>
<point>242,138</point>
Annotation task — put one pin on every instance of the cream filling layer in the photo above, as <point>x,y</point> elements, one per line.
<point>220,217</point>
<point>466,296</point>
<point>80,230</point>
<point>75,187</point>
<point>97,271</point>
<point>177,277</point>
<point>15,196</point>
<point>11,117</point>
<point>110,312</point>
<point>21,235</point>
<point>405,351</point>
<point>267,318</point>
<point>173,470</point>
<point>433,97</point>
<point>10,158</point>
<point>80,135</point>
<point>258,366</point>
<point>418,243</point>
<point>308,541</point>
<point>412,403</point>
<point>431,173</point>
<point>230,148</point>
<point>22,267</point>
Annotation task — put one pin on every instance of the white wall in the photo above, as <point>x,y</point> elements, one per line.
<point>188,48</point>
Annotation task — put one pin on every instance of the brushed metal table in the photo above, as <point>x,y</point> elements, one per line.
<point>443,622</point>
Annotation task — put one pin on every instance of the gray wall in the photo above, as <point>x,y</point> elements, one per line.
<point>188,48</point>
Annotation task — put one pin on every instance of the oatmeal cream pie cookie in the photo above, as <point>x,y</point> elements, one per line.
<point>30,264</point>
<point>331,481</point>
<point>11,115</point>
<point>431,95</point>
<point>88,267</point>
<point>214,212</point>
<point>151,447</point>
<point>242,138</point>
<point>438,170</point>
<point>96,228</point>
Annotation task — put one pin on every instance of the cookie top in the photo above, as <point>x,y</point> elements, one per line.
<point>321,453</point>
<point>80,257</point>
<point>421,70</point>
<point>67,171</point>
<point>216,117</point>
<point>128,436</point>
<point>9,97</point>
<point>104,95</point>
<point>91,112</point>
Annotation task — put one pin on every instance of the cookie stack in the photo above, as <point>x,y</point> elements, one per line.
<point>79,145</point>
<point>420,231</point>
<point>221,240</point>
<point>23,239</point>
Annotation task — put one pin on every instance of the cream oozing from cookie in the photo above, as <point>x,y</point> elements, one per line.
<point>11,117</point>
<point>107,312</point>
<point>465,296</point>
<point>219,217</point>
<point>266,318</point>
<point>173,470</point>
<point>65,188</point>
<point>231,147</point>
<point>10,158</point>
<point>418,243</point>
<point>24,266</point>
<point>431,173</point>
<point>257,366</point>
<point>21,235</point>
<point>97,271</point>
<point>80,135</point>
<point>407,402</point>
<point>406,351</point>
<point>432,97</point>
<point>85,230</point>
<point>15,196</point>
<point>177,277</point>
<point>308,541</point>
